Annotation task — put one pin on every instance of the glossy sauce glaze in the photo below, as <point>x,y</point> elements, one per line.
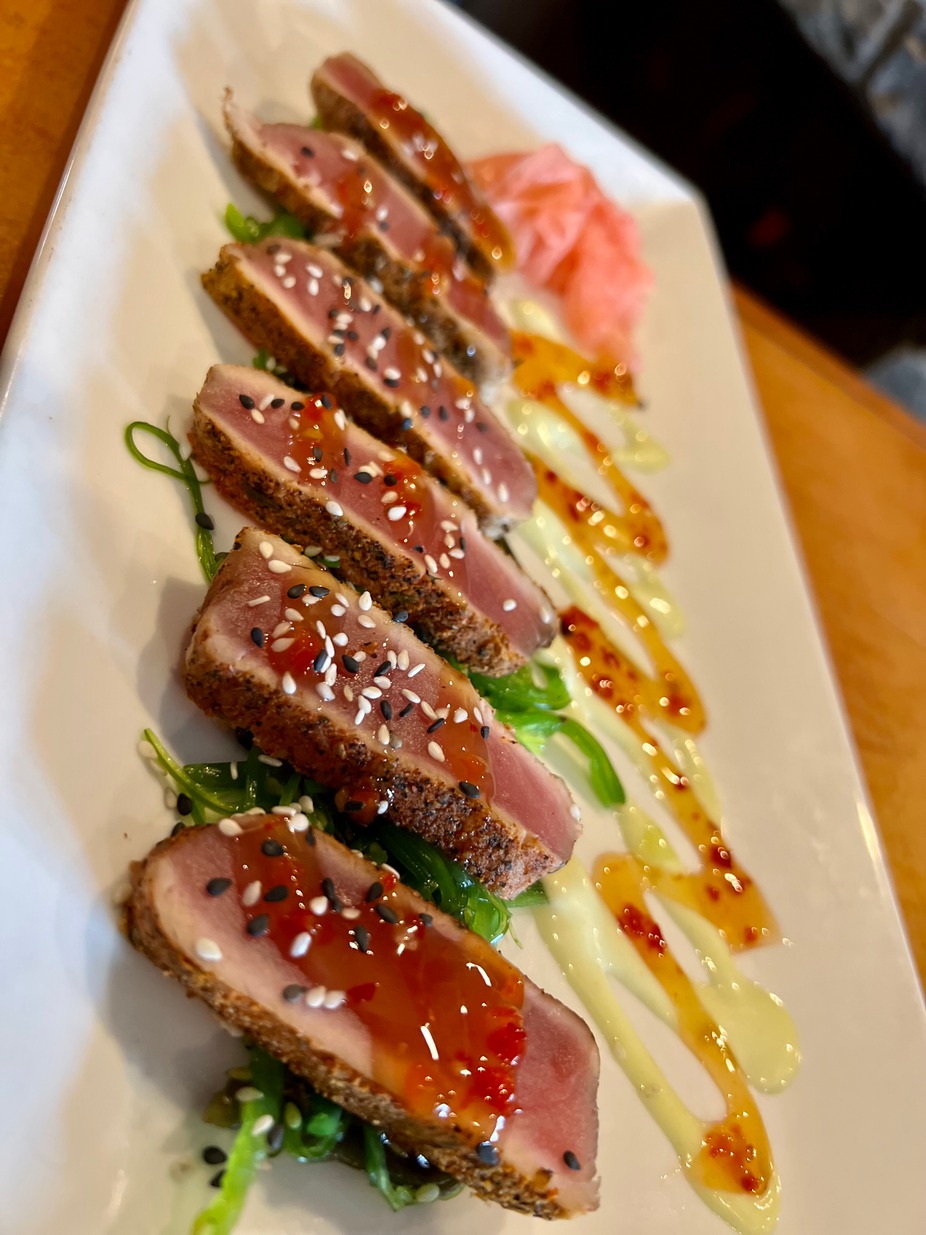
<point>718,904</point>
<point>449,1007</point>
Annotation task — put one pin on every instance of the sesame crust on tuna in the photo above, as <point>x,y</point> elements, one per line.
<point>476,641</point>
<point>446,1146</point>
<point>267,326</point>
<point>467,349</point>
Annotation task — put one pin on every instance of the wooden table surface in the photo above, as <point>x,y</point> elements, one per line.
<point>852,463</point>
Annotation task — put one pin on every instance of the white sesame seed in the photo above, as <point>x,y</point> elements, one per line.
<point>298,822</point>
<point>340,639</point>
<point>457,553</point>
<point>265,402</point>
<point>348,692</point>
<point>430,563</point>
<point>382,683</point>
<point>293,615</point>
<point>283,258</point>
<point>258,600</point>
<point>444,560</point>
<point>371,692</point>
<point>340,419</point>
<point>270,760</point>
<point>366,622</point>
<point>469,415</point>
<point>263,1123</point>
<point>411,696</point>
<point>278,568</point>
<point>350,913</point>
<point>389,497</point>
<point>360,716</point>
<point>416,669</point>
<point>314,270</point>
<point>459,716</point>
<point>257,416</point>
<point>233,769</point>
<point>333,999</point>
<point>486,476</point>
<point>289,281</point>
<point>366,601</point>
<point>294,422</point>
<point>251,894</point>
<point>318,905</point>
<point>331,673</point>
<point>575,811</point>
<point>315,997</point>
<point>391,373</point>
<point>279,629</point>
<point>382,735</point>
<point>146,750</point>
<point>364,705</point>
<point>503,493</point>
<point>285,811</point>
<point>428,710</point>
<point>435,751</point>
<point>324,691</point>
<point>229,827</point>
<point>396,513</point>
<point>477,456</point>
<point>301,944</point>
<point>312,551</point>
<point>279,270</point>
<point>307,804</point>
<point>318,473</point>
<point>509,605</point>
<point>266,549</point>
<point>477,714</point>
<point>248,1093</point>
<point>208,949</point>
<point>334,509</point>
<point>312,287</point>
<point>338,611</point>
<point>287,682</point>
<point>280,645</point>
<point>391,657</point>
<point>320,627</point>
<point>402,660</point>
<point>382,806</point>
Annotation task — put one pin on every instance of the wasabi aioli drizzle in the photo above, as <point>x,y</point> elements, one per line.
<point>627,684</point>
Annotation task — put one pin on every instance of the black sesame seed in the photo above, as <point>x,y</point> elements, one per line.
<point>353,805</point>
<point>259,925</point>
<point>482,426</point>
<point>392,382</point>
<point>320,663</point>
<point>272,848</point>
<point>351,665</point>
<point>215,887</point>
<point>317,453</point>
<point>318,591</point>
<point>386,708</point>
<point>177,828</point>
<point>425,411</point>
<point>401,615</point>
<point>216,1180</point>
<point>277,402</point>
<point>442,413</point>
<point>338,349</point>
<point>333,476</point>
<point>244,738</point>
<point>346,457</point>
<point>277,893</point>
<point>246,401</point>
<point>297,590</point>
<point>409,707</point>
<point>487,1153</point>
<point>326,401</point>
<point>374,892</point>
<point>362,935</point>
<point>293,992</point>
<point>484,732</point>
<point>274,248</point>
<point>214,1156</point>
<point>333,311</point>
<point>331,895</point>
<point>469,788</point>
<point>308,152</point>
<point>390,479</point>
<point>419,548</point>
<point>353,336</point>
<point>363,477</point>
<point>407,424</point>
<point>257,636</point>
<point>383,669</point>
<point>310,838</point>
<point>433,728</point>
<point>387,914</point>
<point>462,543</point>
<point>376,309</point>
<point>425,918</point>
<point>386,332</point>
<point>384,225</point>
<point>572,1161</point>
<point>297,406</point>
<point>206,521</point>
<point>275,1137</point>
<point>184,804</point>
<point>370,362</point>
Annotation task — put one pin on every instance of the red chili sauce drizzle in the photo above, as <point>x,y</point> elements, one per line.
<point>443,1013</point>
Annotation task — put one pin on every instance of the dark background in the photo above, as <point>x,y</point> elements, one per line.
<point>814,210</point>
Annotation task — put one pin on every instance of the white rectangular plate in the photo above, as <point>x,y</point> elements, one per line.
<point>105,1065</point>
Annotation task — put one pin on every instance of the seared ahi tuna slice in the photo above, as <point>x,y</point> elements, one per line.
<point>332,332</point>
<point>325,679</point>
<point>351,99</point>
<point>385,1004</point>
<point>290,460</point>
<point>351,204</point>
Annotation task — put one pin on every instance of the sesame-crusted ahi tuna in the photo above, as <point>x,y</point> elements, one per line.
<point>332,332</point>
<point>295,465</point>
<point>330,682</point>
<point>351,204</point>
<point>385,1004</point>
<point>351,99</point>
